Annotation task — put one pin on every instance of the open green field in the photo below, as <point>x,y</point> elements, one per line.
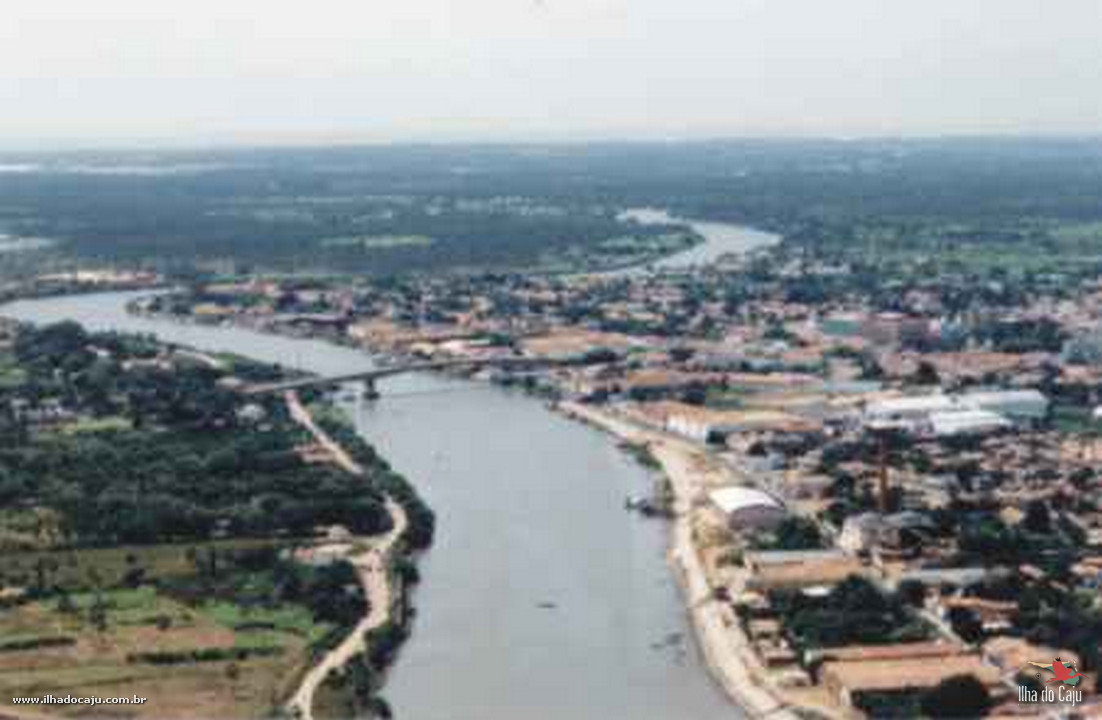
<point>190,627</point>
<point>103,424</point>
<point>107,567</point>
<point>1027,245</point>
<point>247,674</point>
<point>11,375</point>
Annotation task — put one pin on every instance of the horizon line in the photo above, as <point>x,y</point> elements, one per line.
<point>42,146</point>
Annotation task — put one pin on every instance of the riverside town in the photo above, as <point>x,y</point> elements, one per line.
<point>550,360</point>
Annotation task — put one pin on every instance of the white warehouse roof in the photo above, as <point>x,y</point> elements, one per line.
<point>910,405</point>
<point>735,498</point>
<point>986,396</point>
<point>1012,402</point>
<point>962,422</point>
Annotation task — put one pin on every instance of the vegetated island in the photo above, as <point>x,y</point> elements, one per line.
<point>153,518</point>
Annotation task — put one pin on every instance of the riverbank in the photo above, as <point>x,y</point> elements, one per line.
<point>722,643</point>
<point>374,566</point>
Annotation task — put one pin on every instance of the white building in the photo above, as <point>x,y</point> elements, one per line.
<point>860,533</point>
<point>966,422</point>
<point>973,412</point>
<point>913,409</point>
<point>697,426</point>
<point>748,508</point>
<point>1014,404</point>
<point>704,424</point>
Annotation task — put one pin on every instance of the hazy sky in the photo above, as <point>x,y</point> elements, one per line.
<point>376,70</point>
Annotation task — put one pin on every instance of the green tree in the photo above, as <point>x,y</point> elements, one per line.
<point>926,374</point>
<point>1037,518</point>
<point>960,696</point>
<point>97,613</point>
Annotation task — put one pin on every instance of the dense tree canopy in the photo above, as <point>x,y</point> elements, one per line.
<point>154,450</point>
<point>395,209</point>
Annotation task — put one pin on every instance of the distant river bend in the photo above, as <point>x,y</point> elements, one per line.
<point>720,239</point>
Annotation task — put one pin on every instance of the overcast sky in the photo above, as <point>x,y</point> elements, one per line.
<point>258,71</point>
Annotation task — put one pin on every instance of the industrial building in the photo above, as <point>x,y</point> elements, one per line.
<point>1017,405</point>
<point>966,422</point>
<point>970,413</point>
<point>747,508</point>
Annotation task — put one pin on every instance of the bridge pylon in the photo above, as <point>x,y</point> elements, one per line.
<point>368,391</point>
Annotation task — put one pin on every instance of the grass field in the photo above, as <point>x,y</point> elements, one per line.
<point>104,424</point>
<point>10,374</point>
<point>107,567</point>
<point>1030,245</point>
<point>85,654</point>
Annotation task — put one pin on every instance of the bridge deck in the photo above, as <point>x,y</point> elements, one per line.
<point>378,373</point>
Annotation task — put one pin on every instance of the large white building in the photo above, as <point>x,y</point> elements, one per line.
<point>908,410</point>
<point>1014,404</point>
<point>968,413</point>
<point>748,508</point>
<point>705,424</point>
<point>966,422</point>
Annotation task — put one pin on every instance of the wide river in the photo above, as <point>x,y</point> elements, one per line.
<point>542,598</point>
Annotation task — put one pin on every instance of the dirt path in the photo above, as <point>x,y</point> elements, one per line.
<point>302,416</point>
<point>371,566</point>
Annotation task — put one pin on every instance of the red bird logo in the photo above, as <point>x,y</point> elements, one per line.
<point>1063,672</point>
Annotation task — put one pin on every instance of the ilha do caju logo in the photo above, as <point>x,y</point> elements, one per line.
<point>1060,687</point>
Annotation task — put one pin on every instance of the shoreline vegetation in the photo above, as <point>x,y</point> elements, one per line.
<point>188,571</point>
<point>357,664</point>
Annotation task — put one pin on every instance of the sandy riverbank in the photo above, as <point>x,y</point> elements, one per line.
<point>372,566</point>
<point>722,643</point>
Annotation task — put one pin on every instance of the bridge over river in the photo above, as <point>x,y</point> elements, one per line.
<point>370,376</point>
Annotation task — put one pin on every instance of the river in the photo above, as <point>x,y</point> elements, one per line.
<point>542,598</point>
<point>719,239</point>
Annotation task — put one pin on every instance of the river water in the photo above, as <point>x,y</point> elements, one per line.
<point>542,598</point>
<point>719,239</point>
